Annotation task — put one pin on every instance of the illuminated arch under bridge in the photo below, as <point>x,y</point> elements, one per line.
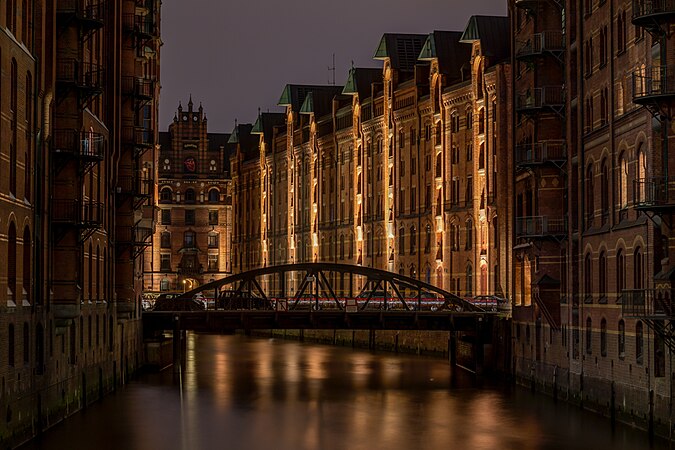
<point>304,296</point>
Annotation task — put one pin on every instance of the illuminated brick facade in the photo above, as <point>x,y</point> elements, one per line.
<point>191,244</point>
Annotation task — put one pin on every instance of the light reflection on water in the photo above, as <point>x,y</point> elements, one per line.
<point>241,393</point>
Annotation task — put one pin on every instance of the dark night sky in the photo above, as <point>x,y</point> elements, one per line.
<point>236,56</point>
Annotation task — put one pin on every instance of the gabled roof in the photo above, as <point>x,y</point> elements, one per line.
<point>401,49</point>
<point>360,80</point>
<point>248,143</point>
<point>493,34</point>
<point>266,123</point>
<point>294,94</point>
<point>450,52</point>
<point>320,102</point>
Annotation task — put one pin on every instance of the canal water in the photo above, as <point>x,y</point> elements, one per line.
<point>244,393</point>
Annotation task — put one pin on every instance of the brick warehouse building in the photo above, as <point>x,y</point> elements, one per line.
<point>524,157</point>
<point>191,244</point>
<point>79,105</point>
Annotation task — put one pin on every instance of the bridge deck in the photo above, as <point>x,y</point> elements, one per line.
<point>227,321</point>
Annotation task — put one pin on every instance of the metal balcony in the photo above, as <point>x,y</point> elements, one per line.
<point>653,14</point>
<point>139,88</point>
<point>553,151</point>
<point>138,137</point>
<point>654,88</point>
<point>647,304</point>
<point>85,214</point>
<point>541,44</point>
<point>88,13</point>
<point>86,145</point>
<point>142,26</point>
<point>85,76</point>
<point>541,227</point>
<point>538,100</point>
<point>135,185</point>
<point>654,194</point>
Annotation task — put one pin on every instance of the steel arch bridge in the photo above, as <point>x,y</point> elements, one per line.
<point>304,296</point>
<point>381,289</point>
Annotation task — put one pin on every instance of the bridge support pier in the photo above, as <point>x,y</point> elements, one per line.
<point>452,349</point>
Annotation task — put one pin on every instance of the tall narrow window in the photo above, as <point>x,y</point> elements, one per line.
<point>13,106</point>
<point>622,339</point>
<point>26,344</point>
<point>590,197</point>
<point>641,174</point>
<point>12,295</point>
<point>622,182</point>
<point>602,277</point>
<point>10,345</point>
<point>588,279</point>
<point>620,273</point>
<point>469,280</point>
<point>638,269</point>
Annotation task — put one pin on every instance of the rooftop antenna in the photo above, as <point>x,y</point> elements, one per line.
<point>332,69</point>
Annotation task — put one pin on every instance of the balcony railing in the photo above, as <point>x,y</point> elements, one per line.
<point>654,193</point>
<point>135,185</point>
<point>137,136</point>
<point>647,303</point>
<point>140,88</point>
<point>77,212</point>
<point>533,101</point>
<point>88,12</point>
<point>654,84</point>
<point>541,152</point>
<point>87,145</point>
<point>142,25</point>
<point>647,13</point>
<point>552,42</point>
<point>83,75</point>
<point>541,226</point>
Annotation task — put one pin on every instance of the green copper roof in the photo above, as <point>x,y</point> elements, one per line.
<point>471,32</point>
<point>350,86</point>
<point>258,126</point>
<point>285,99</point>
<point>234,137</point>
<point>308,105</point>
<point>429,49</point>
<point>381,51</point>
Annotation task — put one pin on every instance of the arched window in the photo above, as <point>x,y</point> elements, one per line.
<point>165,195</point>
<point>604,191</point>
<point>481,157</point>
<point>469,234</point>
<point>413,240</point>
<point>603,337</point>
<point>641,174</point>
<point>214,196</point>
<point>90,274</point>
<point>342,246</point>
<point>589,336</point>
<point>26,275</point>
<point>427,274</point>
<point>427,239</point>
<point>413,271</point>
<point>10,15</point>
<point>622,181</point>
<point>481,116</point>
<point>11,265</point>
<point>602,277</point>
<point>620,273</point>
<point>588,279</point>
<point>638,269</point>
<point>639,343</point>
<point>189,195</point>
<point>469,280</point>
<point>590,197</point>
<point>98,273</point>
<point>622,339</point>
<point>13,106</point>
